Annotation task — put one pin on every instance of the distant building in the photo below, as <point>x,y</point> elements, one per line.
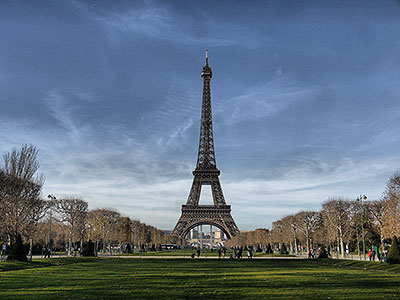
<point>213,239</point>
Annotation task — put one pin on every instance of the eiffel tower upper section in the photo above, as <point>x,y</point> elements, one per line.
<point>206,154</point>
<point>206,172</point>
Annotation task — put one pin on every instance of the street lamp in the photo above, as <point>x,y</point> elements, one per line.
<point>360,199</point>
<point>104,234</point>
<point>52,197</point>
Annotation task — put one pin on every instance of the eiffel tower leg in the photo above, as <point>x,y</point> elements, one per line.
<point>218,195</point>
<point>194,195</point>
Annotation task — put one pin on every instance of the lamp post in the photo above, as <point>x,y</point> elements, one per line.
<point>104,233</point>
<point>360,199</point>
<point>52,197</point>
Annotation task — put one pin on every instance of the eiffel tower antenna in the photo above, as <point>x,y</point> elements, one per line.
<point>206,173</point>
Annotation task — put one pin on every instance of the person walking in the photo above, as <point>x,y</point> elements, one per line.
<point>376,252</point>
<point>370,254</point>
<point>198,252</point>
<point>219,253</point>
<point>3,251</point>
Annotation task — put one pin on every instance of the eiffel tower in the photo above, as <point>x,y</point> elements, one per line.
<point>206,173</point>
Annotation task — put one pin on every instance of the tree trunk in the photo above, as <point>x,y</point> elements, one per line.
<point>70,248</point>
<point>342,247</point>
<point>338,247</point>
<point>382,246</point>
<point>30,249</point>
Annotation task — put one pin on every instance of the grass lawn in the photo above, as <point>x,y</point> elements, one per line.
<point>133,278</point>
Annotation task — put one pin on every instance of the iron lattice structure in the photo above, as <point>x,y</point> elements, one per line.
<point>206,173</point>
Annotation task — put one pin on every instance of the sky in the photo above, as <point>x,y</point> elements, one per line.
<point>305,95</point>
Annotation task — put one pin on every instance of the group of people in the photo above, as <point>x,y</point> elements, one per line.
<point>374,252</point>
<point>46,252</point>
<point>312,253</point>
<point>220,252</point>
<point>237,253</point>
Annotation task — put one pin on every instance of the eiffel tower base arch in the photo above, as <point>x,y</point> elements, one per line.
<point>218,216</point>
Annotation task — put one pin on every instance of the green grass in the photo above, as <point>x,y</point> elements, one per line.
<point>134,278</point>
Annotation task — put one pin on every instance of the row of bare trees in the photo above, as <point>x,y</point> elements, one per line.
<point>61,223</point>
<point>338,224</point>
<point>73,224</point>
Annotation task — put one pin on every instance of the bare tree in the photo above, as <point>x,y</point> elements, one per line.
<point>276,232</point>
<point>21,206</point>
<point>391,198</point>
<point>308,222</point>
<point>73,212</point>
<point>289,228</point>
<point>378,211</point>
<point>336,213</point>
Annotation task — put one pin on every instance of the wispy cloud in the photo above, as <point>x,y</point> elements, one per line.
<point>264,100</point>
<point>159,22</point>
<point>170,123</point>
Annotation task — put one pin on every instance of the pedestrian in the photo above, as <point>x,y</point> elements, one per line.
<point>3,250</point>
<point>219,253</point>
<point>224,251</point>
<point>370,254</point>
<point>240,253</point>
<point>198,252</point>
<point>248,253</point>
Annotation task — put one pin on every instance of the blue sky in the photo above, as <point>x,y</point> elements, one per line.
<point>306,100</point>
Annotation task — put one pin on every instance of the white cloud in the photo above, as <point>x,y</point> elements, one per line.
<point>263,101</point>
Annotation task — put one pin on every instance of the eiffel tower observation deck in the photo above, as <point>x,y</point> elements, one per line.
<point>206,173</point>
